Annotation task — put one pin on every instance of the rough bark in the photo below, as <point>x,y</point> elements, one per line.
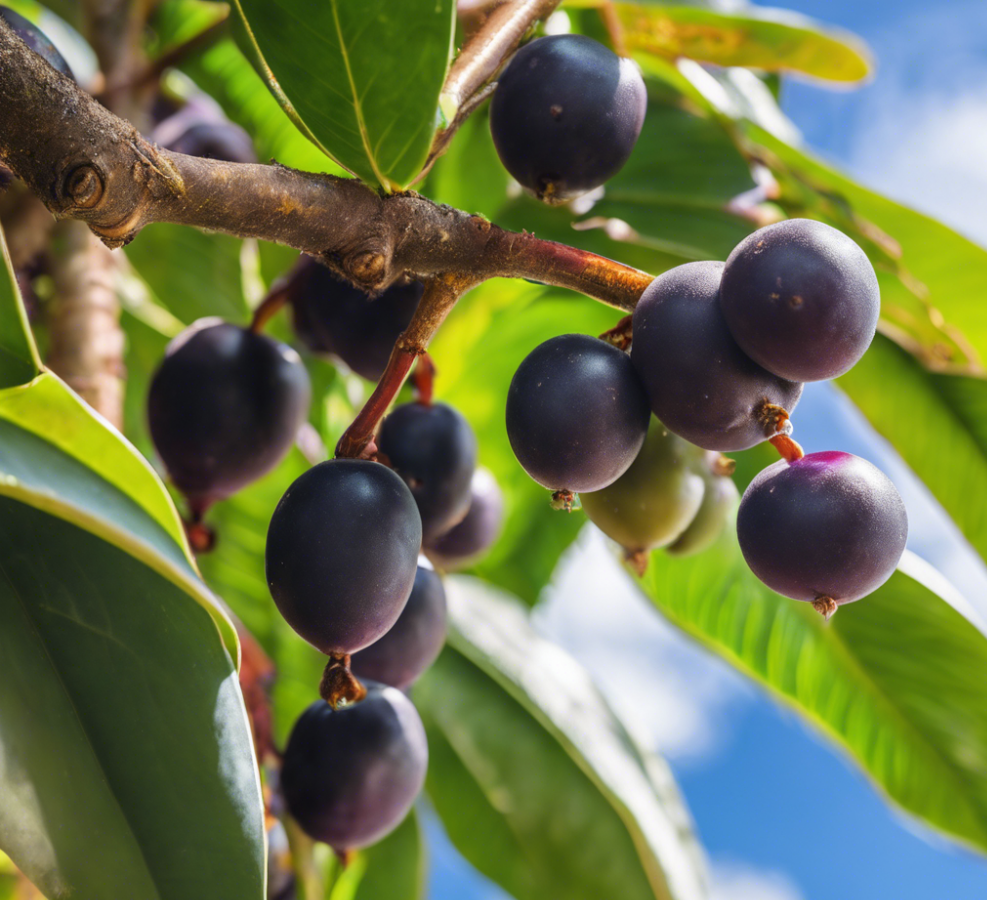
<point>88,164</point>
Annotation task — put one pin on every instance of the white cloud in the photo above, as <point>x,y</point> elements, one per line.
<point>922,132</point>
<point>676,697</point>
<point>739,881</point>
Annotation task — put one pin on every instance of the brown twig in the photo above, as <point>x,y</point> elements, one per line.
<point>438,299</point>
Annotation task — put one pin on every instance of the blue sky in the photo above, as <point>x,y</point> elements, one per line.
<point>784,815</point>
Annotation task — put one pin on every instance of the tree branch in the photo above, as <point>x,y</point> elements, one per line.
<point>86,163</point>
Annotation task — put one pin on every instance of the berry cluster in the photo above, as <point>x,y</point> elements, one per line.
<point>719,353</point>
<point>344,545</point>
<point>718,356</point>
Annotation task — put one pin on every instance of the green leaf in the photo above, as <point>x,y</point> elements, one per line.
<point>536,781</point>
<point>128,767</point>
<point>19,361</point>
<point>360,80</point>
<point>392,869</point>
<point>191,273</point>
<point>896,679</point>
<point>936,422</point>
<point>774,40</point>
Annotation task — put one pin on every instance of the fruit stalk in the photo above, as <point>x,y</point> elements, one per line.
<point>439,298</point>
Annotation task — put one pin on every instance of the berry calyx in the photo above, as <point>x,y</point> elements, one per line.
<point>801,299</point>
<point>577,414</point>
<point>224,407</point>
<point>566,115</point>
<point>827,529</point>
<point>433,449</point>
<point>413,641</point>
<point>351,774</point>
<point>702,386</point>
<point>342,552</point>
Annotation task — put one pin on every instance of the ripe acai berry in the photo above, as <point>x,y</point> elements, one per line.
<point>801,299</point>
<point>334,317</point>
<point>224,407</point>
<point>351,774</point>
<point>702,385</point>
<point>342,552</point>
<point>566,114</point>
<point>577,413</point>
<point>465,543</point>
<point>828,528</point>
<point>433,449</point>
<point>414,641</point>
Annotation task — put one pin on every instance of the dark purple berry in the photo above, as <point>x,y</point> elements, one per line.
<point>702,385</point>
<point>224,408</point>
<point>36,40</point>
<point>801,299</point>
<point>466,542</point>
<point>350,775</point>
<point>566,115</point>
<point>342,552</point>
<point>215,140</point>
<point>829,525</point>
<point>654,501</point>
<point>334,317</point>
<point>577,413</point>
<point>433,449</point>
<point>414,641</point>
<point>719,499</point>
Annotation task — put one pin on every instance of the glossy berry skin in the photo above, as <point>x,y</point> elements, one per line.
<point>350,775</point>
<point>36,40</point>
<point>702,385</point>
<point>719,499</point>
<point>577,414</point>
<point>333,317</point>
<point>342,552</point>
<point>468,541</point>
<point>566,115</point>
<point>224,407</point>
<point>215,140</point>
<point>414,641</point>
<point>433,449</point>
<point>801,299</point>
<point>828,525</point>
<point>654,501</point>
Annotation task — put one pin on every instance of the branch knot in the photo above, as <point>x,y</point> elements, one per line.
<point>83,186</point>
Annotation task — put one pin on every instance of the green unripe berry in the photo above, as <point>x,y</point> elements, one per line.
<point>654,501</point>
<point>719,500</point>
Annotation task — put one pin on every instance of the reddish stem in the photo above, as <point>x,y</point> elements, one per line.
<point>789,449</point>
<point>620,335</point>
<point>424,379</point>
<point>438,299</point>
<point>339,684</point>
<point>271,305</point>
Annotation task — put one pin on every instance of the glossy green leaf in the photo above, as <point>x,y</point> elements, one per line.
<point>895,679</point>
<point>937,423</point>
<point>775,40</point>
<point>139,780</point>
<point>535,779</point>
<point>360,80</point>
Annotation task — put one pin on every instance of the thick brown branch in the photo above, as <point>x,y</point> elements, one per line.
<point>88,164</point>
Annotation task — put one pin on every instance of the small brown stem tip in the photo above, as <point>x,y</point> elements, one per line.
<point>637,560</point>
<point>789,449</point>
<point>339,686</point>
<point>620,335</point>
<point>565,500</point>
<point>825,606</point>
